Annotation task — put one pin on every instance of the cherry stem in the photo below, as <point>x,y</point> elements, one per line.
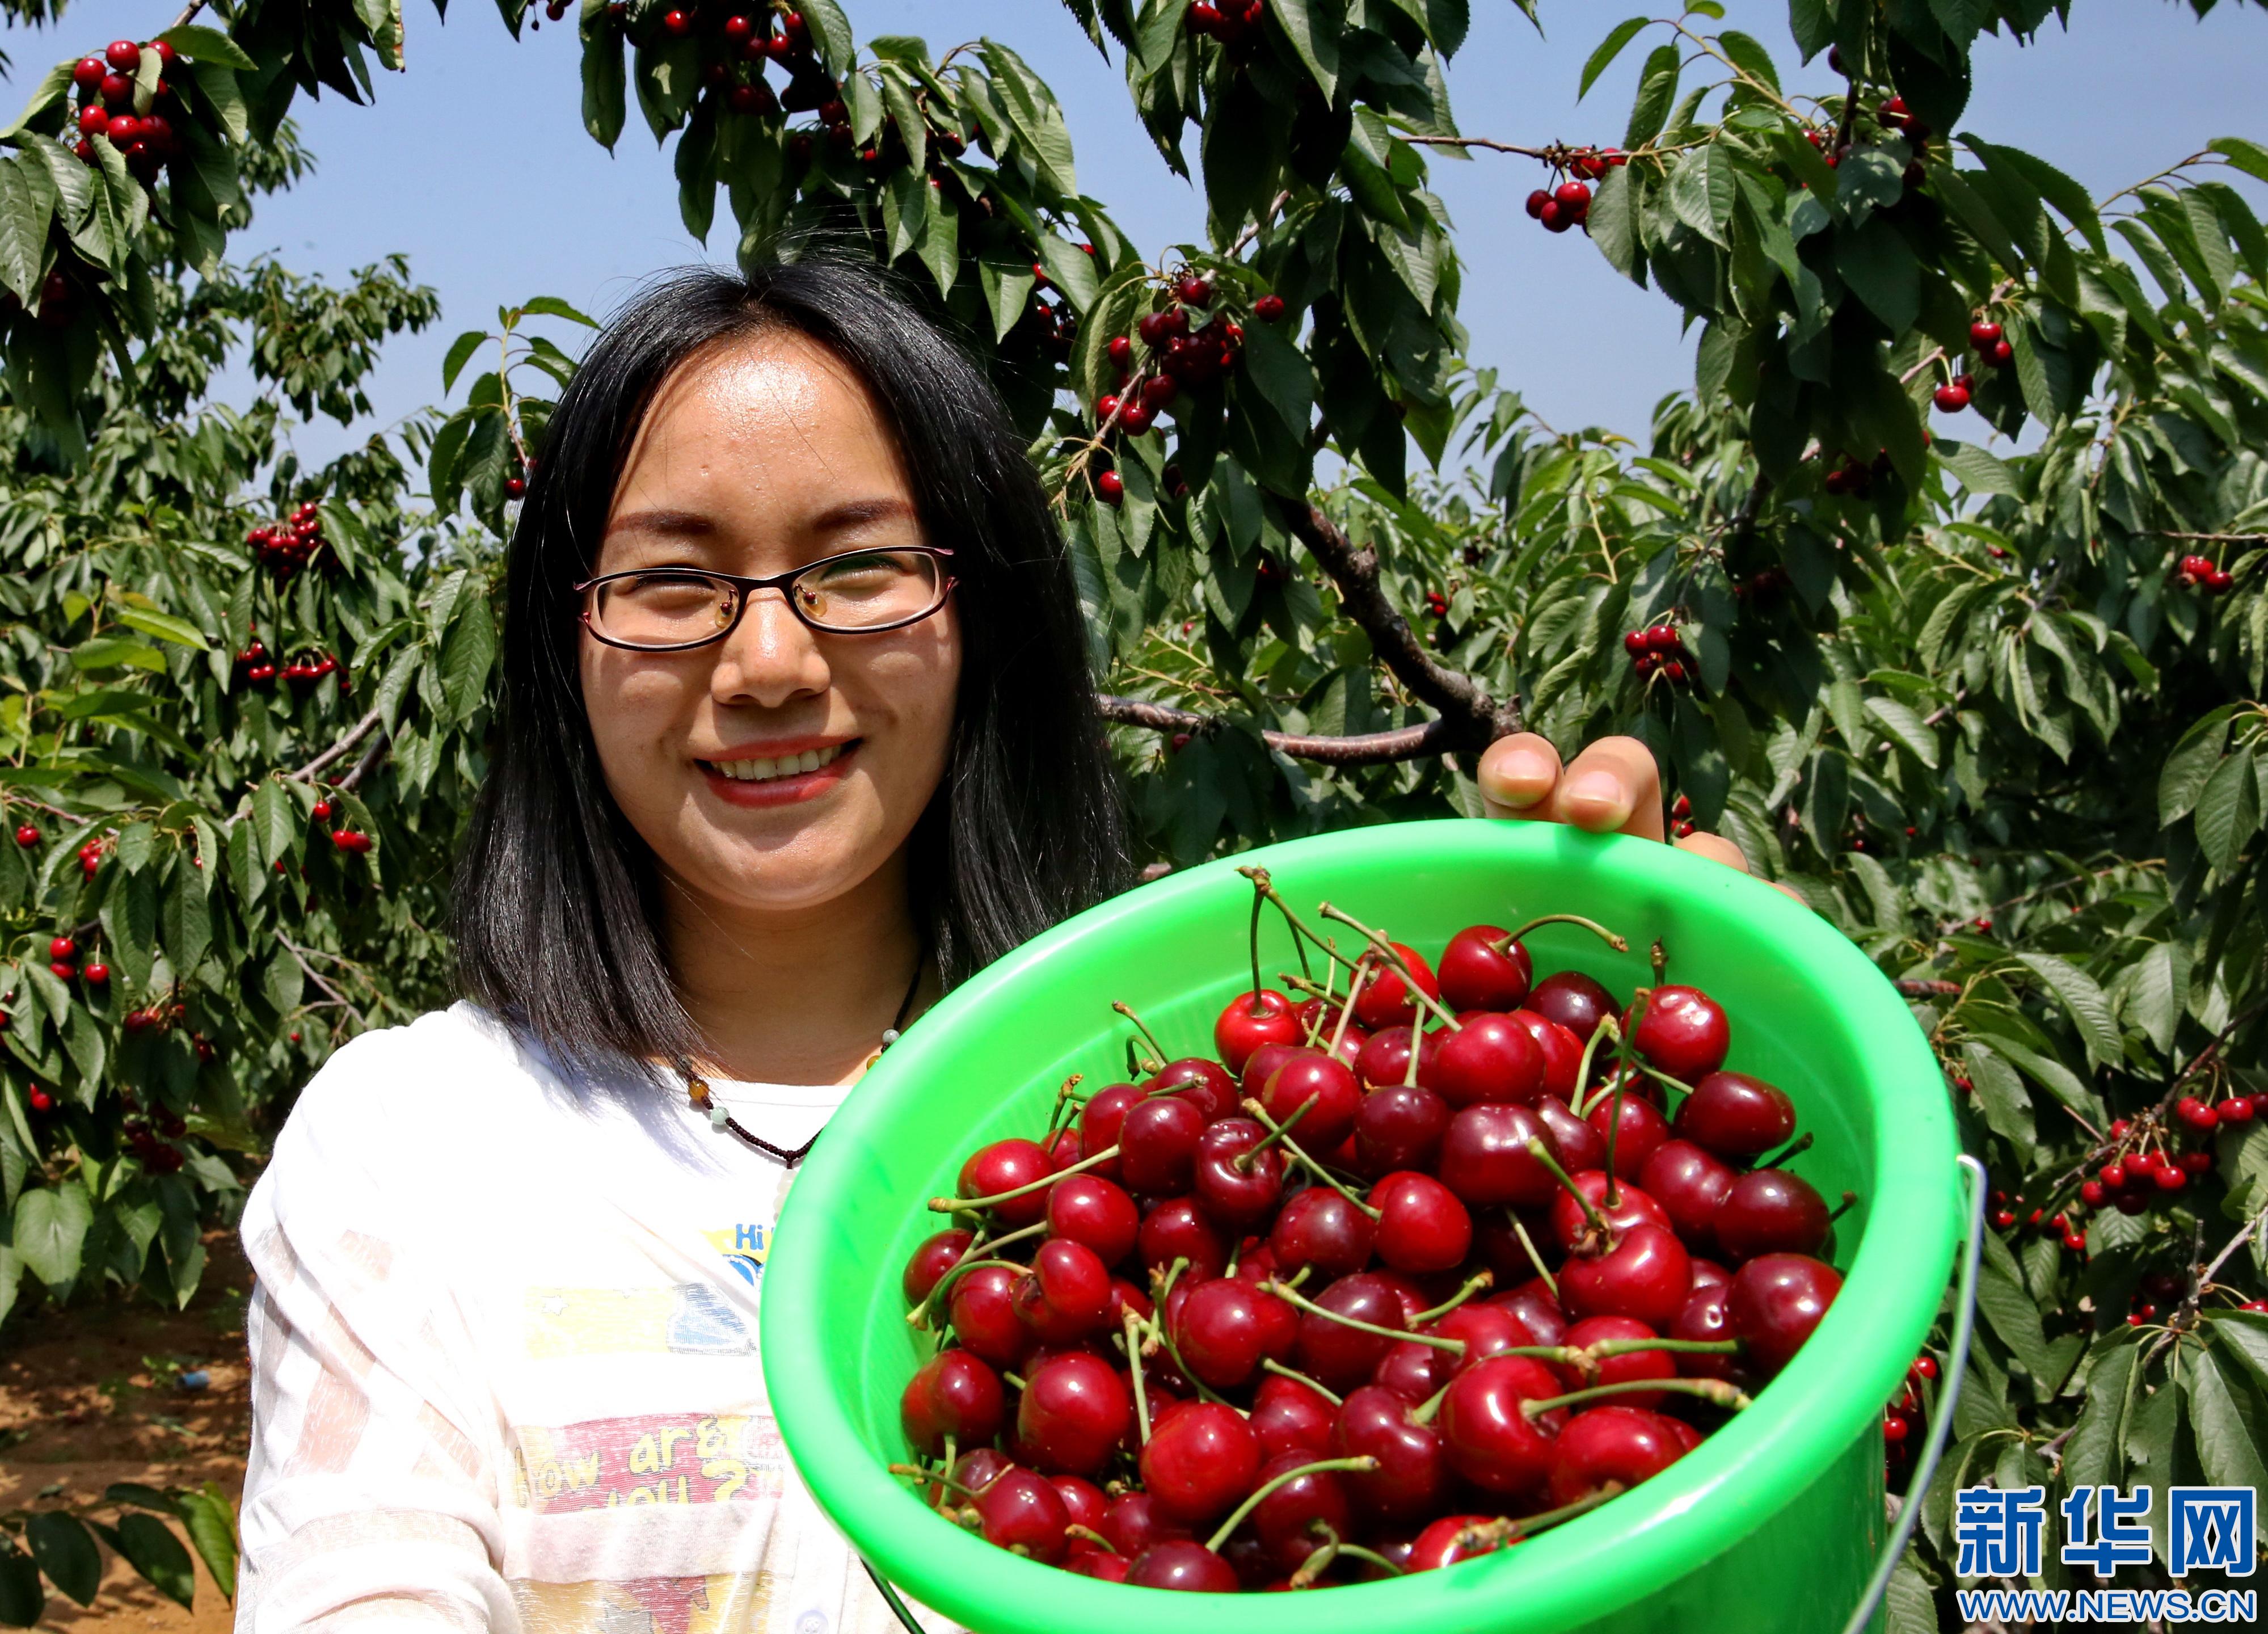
<point>1607,1027</point>
<point>1801,1145</point>
<point>1264,889</point>
<point>1369,1555</point>
<point>1292,1296</point>
<point>1163,1329</point>
<point>1346,1015</point>
<point>1605,1348</point>
<point>1244,1160</point>
<point>1660,957</point>
<point>1092,1536</point>
<point>1148,1037</point>
<point>972,1205</point>
<point>1478,1280</point>
<point>1386,954</point>
<point>1063,1097</point>
<point>915,1472</point>
<point>1260,894</point>
<point>1269,1364</point>
<point>1715,1390</point>
<point>1842,1208</point>
<point>1504,943</point>
<point>1520,1230</point>
<point>1425,1411</point>
<point>1011,1380</point>
<point>1541,1153</point>
<point>1318,1561</point>
<point>1312,1036</point>
<point>1527,1526</point>
<point>1133,1325</point>
<point>1267,1489</point>
<point>1309,1163</point>
<point>1663,1077</point>
<point>1614,1132</point>
<point>918,1317</point>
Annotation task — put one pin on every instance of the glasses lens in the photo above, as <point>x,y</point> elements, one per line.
<point>662,609</point>
<point>872,588</point>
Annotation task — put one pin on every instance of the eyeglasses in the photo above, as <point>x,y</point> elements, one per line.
<point>672,609</point>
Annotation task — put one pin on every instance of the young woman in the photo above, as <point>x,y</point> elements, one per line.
<point>797,731</point>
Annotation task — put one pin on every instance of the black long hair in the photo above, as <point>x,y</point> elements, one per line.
<point>557,905</point>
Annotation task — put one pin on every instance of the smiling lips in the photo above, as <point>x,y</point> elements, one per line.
<point>761,770</point>
<point>782,778</point>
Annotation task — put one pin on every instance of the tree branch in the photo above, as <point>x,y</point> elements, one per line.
<point>1919,988</point>
<point>370,757</point>
<point>339,751</point>
<point>1475,142</point>
<point>1475,719</point>
<point>1368,748</point>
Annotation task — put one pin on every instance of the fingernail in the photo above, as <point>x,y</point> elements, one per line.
<point>1601,793</point>
<point>1527,778</point>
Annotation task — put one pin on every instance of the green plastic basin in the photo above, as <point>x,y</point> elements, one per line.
<point>1773,1523</point>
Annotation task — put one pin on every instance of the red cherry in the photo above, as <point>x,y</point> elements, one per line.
<point>1474,975</point>
<point>984,1314</point>
<point>936,1256</point>
<point>1251,1019</point>
<point>1562,1052</point>
<point>1486,1433</point>
<point>2002,355</point>
<point>1385,1001</point>
<point>28,834</point>
<point>2237,1109</point>
<point>1201,1460</point>
<point>1321,1228</point>
<point>1454,1538</point>
<point>1157,1145</point>
<point>1288,1417</point>
<point>61,947</point>
<point>123,55</point>
<point>1087,1209</point>
<point>1022,1512</point>
<point>1237,1184</point>
<point>1771,1211</point>
<point>41,1102</point>
<point>1226,1326</point>
<point>1267,308</point>
<point>1326,1085</point>
<point>1066,1294</point>
<point>1683,1033</point>
<point>1707,1316</point>
<point>677,23</point>
<point>1580,1148</point>
<point>1691,1184</point>
<point>1775,1301</point>
<point>1950,399</point>
<point>1422,1227</point>
<point>1618,1441</point>
<point>1571,1227</point>
<point>1646,1274</point>
<point>1004,1166</point>
<point>1574,1001</point>
<point>1187,1566</point>
<point>955,1394</point>
<point>87,74</point>
<point>1110,487</point>
<point>1486,1159</point>
<point>1193,290</point>
<point>1574,197</point>
<point>1734,1116</point>
<point>98,972</point>
<point>1398,1127</point>
<point>1340,1358</point>
<point>1074,1413</point>
<point>1177,1230</point>
<point>1636,1128</point>
<point>1489,1059</point>
<point>1412,1473</point>
<point>1983,334</point>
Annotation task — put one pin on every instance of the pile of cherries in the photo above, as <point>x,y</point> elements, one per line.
<point>2197,571</point>
<point>106,85</point>
<point>1419,1265</point>
<point>1660,650</point>
<point>285,547</point>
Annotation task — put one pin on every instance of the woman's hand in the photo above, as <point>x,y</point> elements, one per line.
<point>1614,787</point>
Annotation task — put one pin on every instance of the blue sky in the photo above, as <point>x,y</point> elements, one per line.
<point>475,163</point>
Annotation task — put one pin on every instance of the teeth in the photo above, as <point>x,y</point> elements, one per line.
<point>785,766</point>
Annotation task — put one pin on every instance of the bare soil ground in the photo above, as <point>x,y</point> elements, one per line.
<point>90,1395</point>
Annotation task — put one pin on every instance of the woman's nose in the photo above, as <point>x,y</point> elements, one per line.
<point>771,657</point>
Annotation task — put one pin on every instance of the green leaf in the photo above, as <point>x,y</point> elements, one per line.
<point>1903,723</point>
<point>1314,38</point>
<point>101,652</point>
<point>2082,1000</point>
<point>2225,1443</point>
<point>164,626</point>
<point>552,307</point>
<point>2092,1457</point>
<point>2228,811</point>
<point>50,1226</point>
<point>1280,370</point>
<point>1610,48</point>
<point>2249,156</point>
<point>1612,223</point>
<point>1878,265</point>
<point>1979,472</point>
<point>66,1551</point>
<point>460,353</point>
<point>200,44</point>
<point>50,90</point>
<point>206,1516</point>
<point>275,820</point>
<point>1657,89</point>
<point>830,32</point>
<point>2158,992</point>
<point>27,203</point>
<point>1031,109</point>
<point>2000,1094</point>
<point>1750,56</point>
<point>23,1597</point>
<point>1702,189</point>
<point>152,1549</point>
<point>2002,1297</point>
<point>2182,779</point>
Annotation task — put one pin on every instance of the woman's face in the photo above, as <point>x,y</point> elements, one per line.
<point>756,459</point>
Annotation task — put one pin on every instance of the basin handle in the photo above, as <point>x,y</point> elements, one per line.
<point>891,1596</point>
<point>1964,1325</point>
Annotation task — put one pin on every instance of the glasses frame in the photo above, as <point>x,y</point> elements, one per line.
<point>745,589</point>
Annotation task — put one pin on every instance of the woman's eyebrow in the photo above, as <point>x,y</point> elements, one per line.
<point>667,524</point>
<point>858,513</point>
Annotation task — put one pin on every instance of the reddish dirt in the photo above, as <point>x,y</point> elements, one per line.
<point>89,1395</point>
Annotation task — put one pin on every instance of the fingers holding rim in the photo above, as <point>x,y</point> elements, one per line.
<point>1519,776</point>
<point>1614,787</point>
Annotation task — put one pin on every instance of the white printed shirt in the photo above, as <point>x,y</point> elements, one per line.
<point>504,1359</point>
